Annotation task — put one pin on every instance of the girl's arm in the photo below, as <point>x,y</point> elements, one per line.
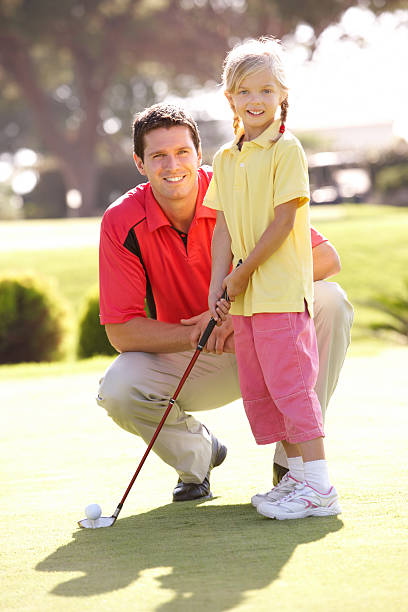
<point>221,258</point>
<point>272,238</point>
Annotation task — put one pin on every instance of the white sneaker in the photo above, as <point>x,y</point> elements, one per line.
<point>301,502</point>
<point>283,488</point>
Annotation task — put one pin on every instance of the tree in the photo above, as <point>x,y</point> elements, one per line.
<point>64,57</point>
<point>64,61</point>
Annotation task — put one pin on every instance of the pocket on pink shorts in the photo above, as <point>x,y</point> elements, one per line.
<point>263,323</point>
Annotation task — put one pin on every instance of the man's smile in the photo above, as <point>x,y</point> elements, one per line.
<point>174,179</point>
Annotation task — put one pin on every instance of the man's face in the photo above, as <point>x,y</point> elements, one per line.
<point>170,164</point>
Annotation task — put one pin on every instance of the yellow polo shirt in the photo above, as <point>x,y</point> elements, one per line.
<point>247,186</point>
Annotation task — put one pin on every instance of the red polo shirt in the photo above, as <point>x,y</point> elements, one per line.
<point>142,256</point>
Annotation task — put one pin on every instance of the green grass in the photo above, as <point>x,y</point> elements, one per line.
<point>59,452</point>
<point>372,242</point>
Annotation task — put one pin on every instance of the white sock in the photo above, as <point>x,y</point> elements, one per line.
<point>317,475</point>
<point>295,465</point>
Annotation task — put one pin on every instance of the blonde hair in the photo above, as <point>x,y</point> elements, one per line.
<point>250,57</point>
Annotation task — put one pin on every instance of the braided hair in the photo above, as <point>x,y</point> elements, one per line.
<point>284,113</point>
<point>236,123</point>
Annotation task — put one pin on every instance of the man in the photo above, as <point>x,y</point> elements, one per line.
<point>156,245</point>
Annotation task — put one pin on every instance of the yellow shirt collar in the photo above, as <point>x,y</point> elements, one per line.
<point>264,140</point>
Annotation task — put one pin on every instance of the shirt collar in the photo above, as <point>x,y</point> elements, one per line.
<point>264,140</point>
<point>155,216</point>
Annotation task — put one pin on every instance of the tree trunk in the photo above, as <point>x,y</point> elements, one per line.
<point>76,155</point>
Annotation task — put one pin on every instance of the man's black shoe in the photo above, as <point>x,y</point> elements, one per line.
<point>278,473</point>
<point>187,491</point>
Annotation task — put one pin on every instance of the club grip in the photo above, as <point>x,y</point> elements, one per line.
<point>207,333</point>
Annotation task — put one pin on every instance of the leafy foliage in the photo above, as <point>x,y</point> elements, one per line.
<point>396,310</point>
<point>92,336</point>
<point>31,321</point>
<point>392,178</point>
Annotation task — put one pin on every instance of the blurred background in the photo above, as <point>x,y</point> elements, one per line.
<point>73,73</point>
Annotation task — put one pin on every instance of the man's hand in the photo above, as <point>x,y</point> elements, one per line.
<point>221,339</point>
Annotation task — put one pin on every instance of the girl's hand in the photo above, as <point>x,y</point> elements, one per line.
<point>218,306</point>
<point>222,307</point>
<point>236,282</point>
<point>214,296</point>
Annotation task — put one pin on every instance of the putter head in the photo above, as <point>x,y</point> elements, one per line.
<point>102,521</point>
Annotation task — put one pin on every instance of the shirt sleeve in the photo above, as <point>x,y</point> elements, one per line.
<point>122,281</point>
<point>212,197</point>
<point>317,237</point>
<point>291,177</point>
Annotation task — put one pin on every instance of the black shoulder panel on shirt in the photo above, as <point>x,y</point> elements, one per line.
<point>132,244</point>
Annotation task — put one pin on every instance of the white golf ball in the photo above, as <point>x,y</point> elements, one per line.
<point>93,511</point>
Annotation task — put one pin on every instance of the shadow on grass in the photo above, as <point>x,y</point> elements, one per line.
<point>213,554</point>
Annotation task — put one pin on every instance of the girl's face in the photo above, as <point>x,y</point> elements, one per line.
<point>256,101</point>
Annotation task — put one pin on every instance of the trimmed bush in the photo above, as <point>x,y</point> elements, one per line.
<point>92,339</point>
<point>32,320</point>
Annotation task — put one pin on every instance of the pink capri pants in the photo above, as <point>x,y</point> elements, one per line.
<point>278,365</point>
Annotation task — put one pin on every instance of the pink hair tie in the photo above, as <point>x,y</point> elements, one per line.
<point>282,128</point>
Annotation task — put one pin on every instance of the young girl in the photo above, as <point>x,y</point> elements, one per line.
<point>260,190</point>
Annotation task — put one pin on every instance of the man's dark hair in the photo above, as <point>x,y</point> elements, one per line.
<point>161,115</point>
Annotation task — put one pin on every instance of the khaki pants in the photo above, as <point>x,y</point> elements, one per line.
<point>137,387</point>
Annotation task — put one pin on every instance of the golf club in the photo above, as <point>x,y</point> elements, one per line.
<point>108,521</point>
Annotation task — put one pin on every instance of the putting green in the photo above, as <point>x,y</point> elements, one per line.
<point>59,452</point>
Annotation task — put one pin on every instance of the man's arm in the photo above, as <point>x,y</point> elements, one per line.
<point>149,335</point>
<point>326,261</point>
